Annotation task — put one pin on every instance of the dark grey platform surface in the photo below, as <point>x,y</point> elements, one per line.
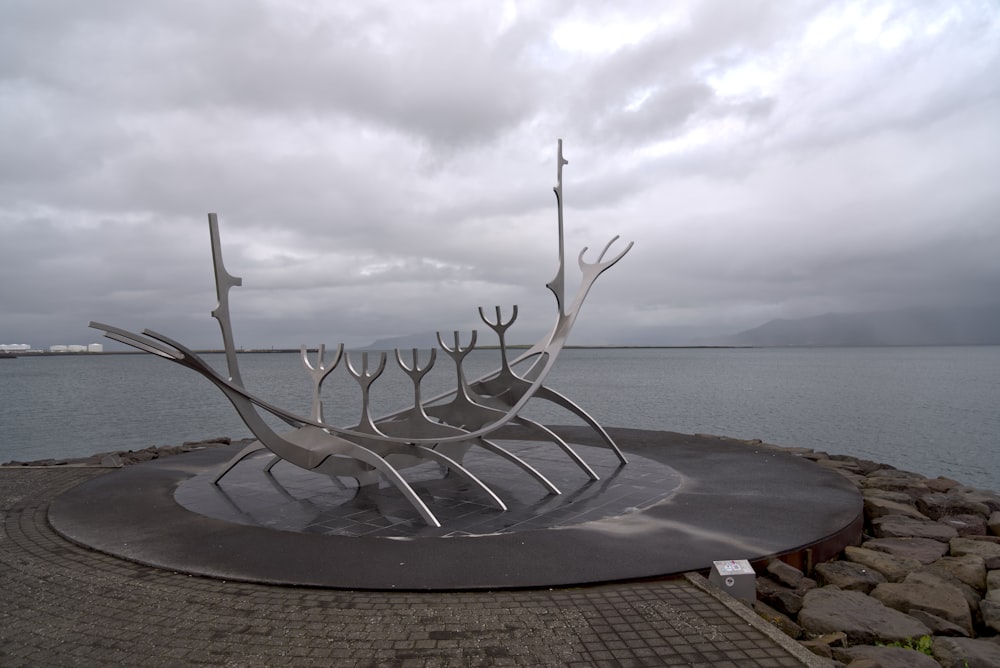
<point>683,502</point>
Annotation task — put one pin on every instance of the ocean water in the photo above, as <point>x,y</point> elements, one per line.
<point>934,410</point>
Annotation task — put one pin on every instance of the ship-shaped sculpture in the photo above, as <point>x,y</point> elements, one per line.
<point>439,429</point>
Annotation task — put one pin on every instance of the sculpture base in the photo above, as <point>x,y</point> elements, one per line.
<point>682,503</point>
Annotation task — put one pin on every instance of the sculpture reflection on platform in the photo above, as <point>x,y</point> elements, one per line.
<point>440,429</point>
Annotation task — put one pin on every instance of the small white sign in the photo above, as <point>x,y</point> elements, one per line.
<point>737,567</point>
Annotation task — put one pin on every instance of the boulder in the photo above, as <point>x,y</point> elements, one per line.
<point>990,611</point>
<point>786,574</point>
<point>968,568</point>
<point>944,578</point>
<point>888,495</point>
<point>866,466</point>
<point>937,505</point>
<point>924,550</point>
<point>982,548</point>
<point>111,461</point>
<point>912,489</point>
<point>993,581</point>
<point>986,497</point>
<point>848,575</point>
<point>893,568</point>
<point>884,657</point>
<point>784,599</point>
<point>966,653</point>
<point>877,506</point>
<point>864,619</point>
<point>938,599</point>
<point>966,525</point>
<point>842,466</point>
<point>941,484</point>
<point>903,526</point>
<point>889,474</point>
<point>993,523</point>
<point>938,626</point>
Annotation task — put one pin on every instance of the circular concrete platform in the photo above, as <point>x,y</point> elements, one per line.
<point>681,503</point>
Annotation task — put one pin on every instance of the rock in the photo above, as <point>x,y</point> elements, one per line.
<point>982,548</point>
<point>218,440</point>
<point>895,474</point>
<point>911,488</point>
<point>884,657</point>
<point>986,497</point>
<point>111,461</point>
<point>876,507</point>
<point>941,577</point>
<point>993,523</point>
<point>968,568</point>
<point>841,466</point>
<point>993,581</point>
<point>783,622</point>
<point>783,599</point>
<point>992,563</point>
<point>864,619</point>
<point>923,550</point>
<point>941,484</point>
<point>900,526</point>
<point>937,505</point>
<point>893,568</point>
<point>938,599</point>
<point>888,495</point>
<point>862,467</point>
<point>966,525</point>
<point>938,626</point>
<point>966,653</point>
<point>785,574</point>
<point>848,575</point>
<point>991,614</point>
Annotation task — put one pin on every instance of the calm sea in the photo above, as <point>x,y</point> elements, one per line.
<point>934,410</point>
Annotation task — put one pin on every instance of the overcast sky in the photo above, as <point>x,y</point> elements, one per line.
<point>381,169</point>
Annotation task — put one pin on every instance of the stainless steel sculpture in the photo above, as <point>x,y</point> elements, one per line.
<point>440,429</point>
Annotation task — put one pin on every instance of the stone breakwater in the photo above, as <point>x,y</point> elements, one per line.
<point>118,458</point>
<point>922,589</point>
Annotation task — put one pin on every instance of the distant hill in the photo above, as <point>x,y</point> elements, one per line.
<point>423,341</point>
<point>906,327</point>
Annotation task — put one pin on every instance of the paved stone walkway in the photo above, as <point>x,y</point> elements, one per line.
<point>61,604</point>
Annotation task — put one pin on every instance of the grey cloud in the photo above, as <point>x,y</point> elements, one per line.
<point>382,168</point>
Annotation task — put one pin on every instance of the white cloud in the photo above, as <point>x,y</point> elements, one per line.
<point>380,167</point>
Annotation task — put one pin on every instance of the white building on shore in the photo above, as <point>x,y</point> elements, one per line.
<point>76,348</point>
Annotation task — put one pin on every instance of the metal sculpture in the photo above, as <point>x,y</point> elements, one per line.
<point>441,429</point>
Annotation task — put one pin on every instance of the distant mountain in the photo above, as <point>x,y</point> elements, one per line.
<point>423,341</point>
<point>906,327</point>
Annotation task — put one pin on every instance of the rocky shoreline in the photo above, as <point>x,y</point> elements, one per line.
<point>922,589</point>
<point>119,458</point>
